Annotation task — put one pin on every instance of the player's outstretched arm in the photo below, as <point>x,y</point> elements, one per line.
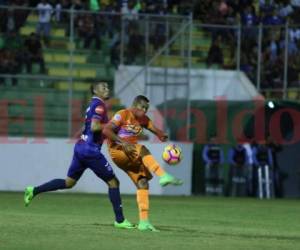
<point>109,131</point>
<point>159,133</point>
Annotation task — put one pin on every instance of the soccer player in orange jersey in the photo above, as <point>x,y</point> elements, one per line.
<point>135,159</point>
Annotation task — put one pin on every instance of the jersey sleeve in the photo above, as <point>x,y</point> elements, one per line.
<point>118,118</point>
<point>98,113</point>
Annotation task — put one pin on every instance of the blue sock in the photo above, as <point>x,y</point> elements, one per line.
<point>50,186</point>
<point>115,198</point>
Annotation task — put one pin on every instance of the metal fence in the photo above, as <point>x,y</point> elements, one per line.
<point>267,54</point>
<point>54,59</point>
<point>78,47</point>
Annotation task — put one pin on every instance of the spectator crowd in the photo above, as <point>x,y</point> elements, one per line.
<point>273,15</point>
<point>91,27</point>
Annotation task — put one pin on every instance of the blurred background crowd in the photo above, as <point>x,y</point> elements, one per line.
<point>16,51</point>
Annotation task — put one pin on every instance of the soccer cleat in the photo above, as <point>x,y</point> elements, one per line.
<point>28,195</point>
<point>167,179</point>
<point>145,225</point>
<point>125,224</point>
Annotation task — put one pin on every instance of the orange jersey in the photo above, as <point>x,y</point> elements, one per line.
<point>129,127</point>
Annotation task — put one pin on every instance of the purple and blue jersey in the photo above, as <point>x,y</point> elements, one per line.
<point>96,111</point>
<point>87,152</point>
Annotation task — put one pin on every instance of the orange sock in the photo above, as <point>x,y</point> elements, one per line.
<point>153,165</point>
<point>142,198</point>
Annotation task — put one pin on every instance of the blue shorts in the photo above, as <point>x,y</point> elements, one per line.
<point>89,156</point>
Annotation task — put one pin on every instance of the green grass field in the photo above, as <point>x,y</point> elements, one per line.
<point>84,221</point>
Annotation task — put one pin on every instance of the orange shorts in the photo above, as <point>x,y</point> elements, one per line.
<point>133,167</point>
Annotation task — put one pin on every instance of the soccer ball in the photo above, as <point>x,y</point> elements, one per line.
<point>172,154</point>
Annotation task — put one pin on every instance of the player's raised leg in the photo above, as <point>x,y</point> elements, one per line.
<point>52,185</point>
<point>152,165</point>
<point>75,171</point>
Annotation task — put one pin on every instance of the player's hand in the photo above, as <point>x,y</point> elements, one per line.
<point>129,150</point>
<point>163,137</point>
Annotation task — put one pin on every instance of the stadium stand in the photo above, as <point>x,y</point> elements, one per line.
<point>98,57</point>
<point>48,91</point>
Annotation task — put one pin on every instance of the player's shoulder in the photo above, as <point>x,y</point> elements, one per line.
<point>97,106</point>
<point>147,118</point>
<point>95,102</point>
<point>144,120</point>
<point>124,112</point>
<point>120,115</point>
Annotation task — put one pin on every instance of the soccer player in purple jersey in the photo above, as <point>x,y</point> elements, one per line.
<point>87,154</point>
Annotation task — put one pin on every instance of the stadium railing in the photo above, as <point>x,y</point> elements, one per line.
<point>85,46</point>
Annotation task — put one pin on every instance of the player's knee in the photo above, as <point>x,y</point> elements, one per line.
<point>70,183</point>
<point>143,183</point>
<point>144,151</point>
<point>113,183</point>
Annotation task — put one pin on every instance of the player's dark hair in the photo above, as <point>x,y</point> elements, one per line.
<point>140,98</point>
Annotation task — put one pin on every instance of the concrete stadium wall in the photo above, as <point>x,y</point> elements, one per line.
<point>204,85</point>
<point>24,162</point>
